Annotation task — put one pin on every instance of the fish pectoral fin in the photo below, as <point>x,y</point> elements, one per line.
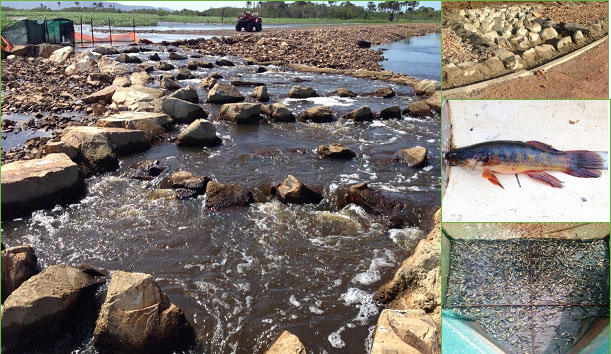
<point>545,178</point>
<point>542,146</point>
<point>490,176</point>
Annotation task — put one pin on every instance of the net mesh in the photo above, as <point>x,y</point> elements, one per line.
<point>85,39</point>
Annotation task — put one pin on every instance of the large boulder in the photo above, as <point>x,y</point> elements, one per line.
<point>335,151</point>
<point>152,124</point>
<point>169,84</point>
<point>293,191</point>
<point>408,331</point>
<point>98,147</point>
<point>426,87</point>
<point>112,67</point>
<point>344,92</point>
<point>106,50</point>
<point>278,112</point>
<point>188,180</point>
<point>386,92</point>
<point>182,111</point>
<point>302,92</point>
<point>260,94</point>
<point>33,184</point>
<point>420,108</point>
<point>184,74</point>
<point>140,78</point>
<point>128,59</point>
<point>188,94</point>
<point>134,95</point>
<point>241,113</point>
<point>318,114</point>
<point>43,304</point>
<point>61,55</point>
<point>415,156</point>
<point>417,282</point>
<point>374,202</point>
<point>45,50</point>
<point>104,95</point>
<point>84,64</point>
<point>360,114</point>
<point>393,112</point>
<point>138,317</point>
<point>221,196</point>
<point>224,93</point>
<point>19,264</point>
<point>199,133</point>
<point>286,343</point>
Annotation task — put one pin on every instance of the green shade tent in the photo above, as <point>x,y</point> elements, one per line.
<point>26,32</point>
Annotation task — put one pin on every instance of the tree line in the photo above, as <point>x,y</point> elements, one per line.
<point>346,10</point>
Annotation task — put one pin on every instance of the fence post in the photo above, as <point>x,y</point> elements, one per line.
<point>134,27</point>
<point>81,31</point>
<point>92,37</point>
<point>110,30</point>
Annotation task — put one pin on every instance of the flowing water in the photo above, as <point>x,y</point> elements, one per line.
<point>243,275</point>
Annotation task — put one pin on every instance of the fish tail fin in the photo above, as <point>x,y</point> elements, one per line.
<point>584,164</point>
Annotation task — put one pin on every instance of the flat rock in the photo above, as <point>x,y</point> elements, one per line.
<point>386,92</point>
<point>42,305</point>
<point>33,184</point>
<point>199,133</point>
<point>241,113</point>
<point>293,191</point>
<point>106,50</point>
<point>302,92</point>
<point>138,317</point>
<point>407,331</point>
<point>343,92</point>
<point>188,94</point>
<point>112,67</point>
<point>286,343</point>
<point>221,196</point>
<point>19,264</point>
<point>426,87</point>
<point>224,93</point>
<point>152,124</point>
<point>335,151</point>
<point>318,114</point>
<point>133,95</point>
<point>188,180</point>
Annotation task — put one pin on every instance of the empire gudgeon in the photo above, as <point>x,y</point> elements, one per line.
<point>532,158</point>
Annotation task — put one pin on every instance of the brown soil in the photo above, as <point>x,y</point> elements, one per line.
<point>583,77</point>
<point>584,12</point>
<point>454,50</point>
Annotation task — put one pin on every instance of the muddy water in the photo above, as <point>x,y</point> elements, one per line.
<point>243,275</point>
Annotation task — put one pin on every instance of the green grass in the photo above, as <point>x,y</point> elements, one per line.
<point>125,19</point>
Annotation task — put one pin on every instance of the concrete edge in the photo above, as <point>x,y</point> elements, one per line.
<point>522,73</point>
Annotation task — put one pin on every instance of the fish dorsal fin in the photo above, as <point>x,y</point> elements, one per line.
<point>542,146</point>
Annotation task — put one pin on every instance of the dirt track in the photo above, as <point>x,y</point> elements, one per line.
<point>583,77</point>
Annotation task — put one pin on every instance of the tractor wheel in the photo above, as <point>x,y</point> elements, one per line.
<point>249,27</point>
<point>238,27</point>
<point>258,27</point>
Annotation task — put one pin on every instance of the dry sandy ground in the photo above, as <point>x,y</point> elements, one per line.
<point>583,77</point>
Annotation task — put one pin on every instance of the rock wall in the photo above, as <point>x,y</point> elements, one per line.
<point>518,37</point>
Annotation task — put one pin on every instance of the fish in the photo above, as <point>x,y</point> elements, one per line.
<point>532,158</point>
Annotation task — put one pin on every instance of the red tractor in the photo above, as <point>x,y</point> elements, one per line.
<point>249,22</point>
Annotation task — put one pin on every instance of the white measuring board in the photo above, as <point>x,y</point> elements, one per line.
<point>468,197</point>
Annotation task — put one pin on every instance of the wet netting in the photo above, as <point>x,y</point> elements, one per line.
<point>530,296</point>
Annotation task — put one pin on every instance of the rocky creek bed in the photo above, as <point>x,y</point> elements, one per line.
<point>236,250</point>
<point>491,41</point>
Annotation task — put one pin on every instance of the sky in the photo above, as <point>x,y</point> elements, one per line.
<point>203,5</point>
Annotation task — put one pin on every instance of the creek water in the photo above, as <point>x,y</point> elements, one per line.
<point>243,275</point>
<point>416,57</point>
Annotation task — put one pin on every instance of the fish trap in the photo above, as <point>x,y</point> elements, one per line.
<point>529,295</point>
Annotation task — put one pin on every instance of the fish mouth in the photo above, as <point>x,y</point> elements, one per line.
<point>453,159</point>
